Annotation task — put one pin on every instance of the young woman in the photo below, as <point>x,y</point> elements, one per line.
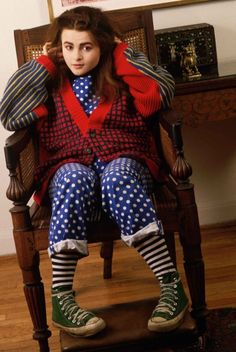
<point>90,97</point>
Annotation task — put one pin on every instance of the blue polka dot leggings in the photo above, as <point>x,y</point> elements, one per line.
<point>122,187</point>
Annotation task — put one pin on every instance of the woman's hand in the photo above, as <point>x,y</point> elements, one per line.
<point>55,53</point>
<point>46,48</point>
<point>117,40</point>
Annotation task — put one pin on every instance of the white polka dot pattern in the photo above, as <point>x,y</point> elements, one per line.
<point>75,191</point>
<point>83,89</point>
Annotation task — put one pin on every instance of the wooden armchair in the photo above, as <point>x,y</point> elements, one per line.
<point>174,200</point>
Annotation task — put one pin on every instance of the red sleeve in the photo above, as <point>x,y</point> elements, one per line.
<point>40,111</point>
<point>48,64</point>
<point>144,89</point>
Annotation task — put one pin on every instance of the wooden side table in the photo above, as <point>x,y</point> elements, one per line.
<point>209,98</point>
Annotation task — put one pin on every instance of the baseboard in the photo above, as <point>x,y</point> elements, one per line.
<point>219,225</point>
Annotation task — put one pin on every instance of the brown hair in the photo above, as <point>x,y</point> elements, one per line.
<point>84,18</point>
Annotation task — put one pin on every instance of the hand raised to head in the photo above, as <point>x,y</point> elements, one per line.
<point>55,53</point>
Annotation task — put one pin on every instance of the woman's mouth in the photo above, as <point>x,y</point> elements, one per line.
<point>77,66</point>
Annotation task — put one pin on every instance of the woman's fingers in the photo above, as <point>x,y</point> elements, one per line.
<point>46,48</point>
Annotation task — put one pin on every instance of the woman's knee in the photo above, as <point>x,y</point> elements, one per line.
<point>120,173</point>
<point>73,177</point>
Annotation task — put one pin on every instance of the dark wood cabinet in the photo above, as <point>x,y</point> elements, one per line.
<point>210,98</point>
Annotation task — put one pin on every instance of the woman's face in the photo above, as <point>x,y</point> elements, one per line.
<point>80,51</point>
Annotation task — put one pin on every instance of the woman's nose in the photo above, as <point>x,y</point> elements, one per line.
<point>78,55</point>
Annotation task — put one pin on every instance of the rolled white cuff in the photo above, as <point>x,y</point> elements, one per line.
<point>154,228</point>
<point>79,247</point>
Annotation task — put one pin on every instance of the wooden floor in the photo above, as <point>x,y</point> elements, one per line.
<point>131,280</point>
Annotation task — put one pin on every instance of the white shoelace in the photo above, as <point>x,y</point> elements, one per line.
<point>71,308</point>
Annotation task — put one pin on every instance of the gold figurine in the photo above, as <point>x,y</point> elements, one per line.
<point>188,62</point>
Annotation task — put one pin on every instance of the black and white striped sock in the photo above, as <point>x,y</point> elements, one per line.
<point>63,270</point>
<point>155,253</point>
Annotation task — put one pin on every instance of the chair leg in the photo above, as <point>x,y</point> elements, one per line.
<point>106,253</point>
<point>28,259</point>
<point>190,238</point>
<point>35,299</point>
<point>170,242</point>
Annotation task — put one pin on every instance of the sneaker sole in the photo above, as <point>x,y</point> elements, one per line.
<point>83,331</point>
<point>167,325</point>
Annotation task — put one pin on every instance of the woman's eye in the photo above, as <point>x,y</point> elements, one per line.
<point>87,48</point>
<point>68,47</point>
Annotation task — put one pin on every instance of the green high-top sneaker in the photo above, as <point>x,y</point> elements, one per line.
<point>68,316</point>
<point>172,305</point>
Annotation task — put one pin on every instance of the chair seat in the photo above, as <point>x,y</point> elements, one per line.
<point>126,330</point>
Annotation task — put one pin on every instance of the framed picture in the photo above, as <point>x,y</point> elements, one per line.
<point>56,7</point>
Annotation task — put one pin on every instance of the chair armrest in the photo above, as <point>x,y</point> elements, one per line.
<point>14,145</point>
<point>171,141</point>
<point>21,160</point>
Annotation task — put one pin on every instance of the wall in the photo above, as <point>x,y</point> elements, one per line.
<point>211,148</point>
